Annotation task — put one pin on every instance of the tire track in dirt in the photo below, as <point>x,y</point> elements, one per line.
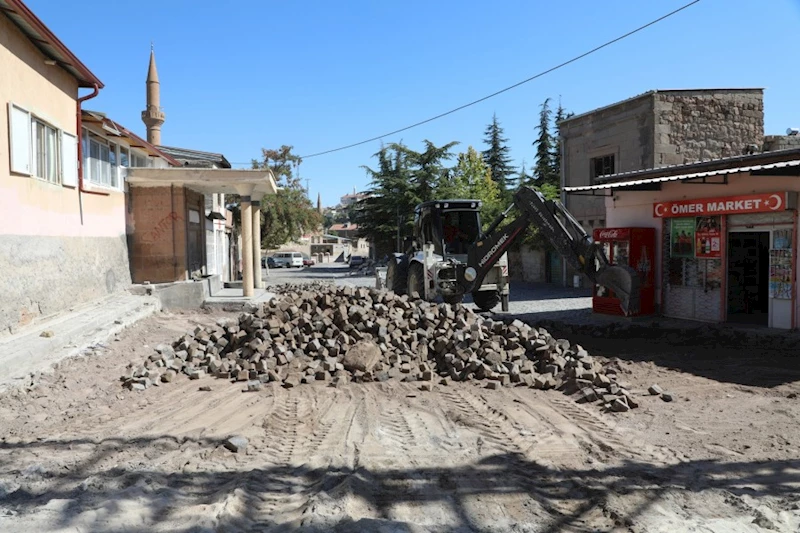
<point>519,467</point>
<point>307,436</point>
<point>602,434</point>
<point>473,411</point>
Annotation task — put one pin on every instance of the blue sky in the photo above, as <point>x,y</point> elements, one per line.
<point>317,74</point>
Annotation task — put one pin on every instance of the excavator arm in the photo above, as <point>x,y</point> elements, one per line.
<point>565,234</point>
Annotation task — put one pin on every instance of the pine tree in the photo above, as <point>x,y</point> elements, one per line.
<point>523,178</point>
<point>561,114</point>
<point>497,157</point>
<point>543,170</point>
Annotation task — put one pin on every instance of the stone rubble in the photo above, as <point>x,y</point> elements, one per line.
<point>324,333</point>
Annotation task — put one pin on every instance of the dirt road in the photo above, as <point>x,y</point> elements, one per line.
<point>78,453</point>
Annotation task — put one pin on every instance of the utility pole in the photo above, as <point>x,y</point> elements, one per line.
<point>307,191</point>
<point>398,229</point>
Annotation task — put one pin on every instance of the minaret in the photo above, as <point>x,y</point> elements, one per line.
<point>153,117</point>
<point>319,203</point>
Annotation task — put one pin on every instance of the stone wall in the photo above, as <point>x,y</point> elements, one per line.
<point>781,142</point>
<point>44,276</point>
<point>692,126</point>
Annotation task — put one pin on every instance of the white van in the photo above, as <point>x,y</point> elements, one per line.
<point>288,259</point>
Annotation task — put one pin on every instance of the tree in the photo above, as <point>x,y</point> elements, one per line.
<point>561,114</point>
<point>543,170</point>
<point>427,168</point>
<point>387,202</point>
<point>288,214</point>
<point>523,178</point>
<point>497,157</point>
<point>472,179</point>
<point>403,179</point>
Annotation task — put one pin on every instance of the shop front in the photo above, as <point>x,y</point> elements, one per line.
<point>730,259</point>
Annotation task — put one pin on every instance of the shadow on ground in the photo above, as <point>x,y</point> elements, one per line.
<point>722,353</point>
<point>256,499</point>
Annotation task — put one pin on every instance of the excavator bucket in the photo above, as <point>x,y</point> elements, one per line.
<point>624,281</point>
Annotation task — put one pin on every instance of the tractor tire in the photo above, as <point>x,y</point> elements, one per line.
<point>416,279</point>
<point>397,275</point>
<point>486,300</point>
<point>453,299</point>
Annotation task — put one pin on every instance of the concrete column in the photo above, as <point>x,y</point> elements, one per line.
<point>247,247</point>
<point>259,281</point>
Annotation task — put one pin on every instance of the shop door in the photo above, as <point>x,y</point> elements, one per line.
<point>748,277</point>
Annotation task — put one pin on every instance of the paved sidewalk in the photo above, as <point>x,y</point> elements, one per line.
<point>28,352</point>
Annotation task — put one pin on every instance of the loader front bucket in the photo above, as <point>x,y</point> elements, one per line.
<point>625,283</point>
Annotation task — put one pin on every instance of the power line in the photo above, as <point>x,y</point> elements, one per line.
<point>565,63</point>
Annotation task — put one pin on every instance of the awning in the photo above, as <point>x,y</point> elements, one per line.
<point>206,180</point>
<point>683,177</point>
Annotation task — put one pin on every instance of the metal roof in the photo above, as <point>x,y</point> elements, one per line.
<point>46,41</point>
<point>195,155</point>
<point>681,177</point>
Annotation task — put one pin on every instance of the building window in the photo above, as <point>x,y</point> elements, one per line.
<point>602,166</point>
<point>39,149</point>
<point>124,157</point>
<point>138,160</point>
<point>45,154</point>
<point>101,161</point>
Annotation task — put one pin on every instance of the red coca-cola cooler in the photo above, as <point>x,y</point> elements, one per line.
<point>636,248</point>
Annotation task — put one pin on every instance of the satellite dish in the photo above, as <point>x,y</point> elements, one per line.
<point>792,131</point>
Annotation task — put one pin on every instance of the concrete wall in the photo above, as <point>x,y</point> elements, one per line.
<point>635,208</point>
<point>528,264</point>
<point>57,248</point>
<point>625,130</point>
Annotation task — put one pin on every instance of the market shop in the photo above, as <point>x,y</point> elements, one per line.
<point>730,258</point>
<point>724,232</point>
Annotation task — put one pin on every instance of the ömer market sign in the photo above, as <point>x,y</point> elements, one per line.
<point>728,205</point>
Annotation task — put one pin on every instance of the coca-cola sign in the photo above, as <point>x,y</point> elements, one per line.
<point>611,234</point>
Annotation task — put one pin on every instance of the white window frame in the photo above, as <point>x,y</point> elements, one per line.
<point>143,157</point>
<point>69,153</point>
<point>99,171</point>
<point>19,139</point>
<point>25,145</point>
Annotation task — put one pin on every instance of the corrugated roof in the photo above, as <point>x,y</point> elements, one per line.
<point>46,41</point>
<point>681,177</point>
<point>195,155</point>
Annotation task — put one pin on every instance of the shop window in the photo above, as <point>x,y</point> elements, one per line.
<point>689,238</point>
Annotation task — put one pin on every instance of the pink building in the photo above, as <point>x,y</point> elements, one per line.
<point>726,233</point>
<point>62,235</point>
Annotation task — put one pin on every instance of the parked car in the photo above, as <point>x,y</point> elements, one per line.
<point>356,260</point>
<point>308,260</point>
<point>268,261</point>
<point>288,259</point>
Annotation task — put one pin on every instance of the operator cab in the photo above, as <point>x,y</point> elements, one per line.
<point>450,225</point>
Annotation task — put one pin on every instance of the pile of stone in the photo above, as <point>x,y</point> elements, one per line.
<point>324,333</point>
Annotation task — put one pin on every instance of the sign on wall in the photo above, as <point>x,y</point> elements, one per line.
<point>707,238</point>
<point>682,237</point>
<point>729,205</point>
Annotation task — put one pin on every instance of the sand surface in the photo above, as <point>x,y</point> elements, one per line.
<point>78,453</point>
